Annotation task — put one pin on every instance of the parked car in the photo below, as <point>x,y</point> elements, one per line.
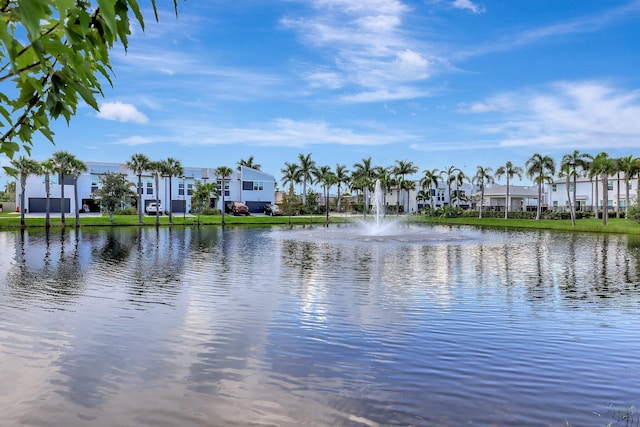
<point>152,208</point>
<point>272,210</point>
<point>237,208</point>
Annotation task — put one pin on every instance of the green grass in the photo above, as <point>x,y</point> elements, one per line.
<point>12,220</point>
<point>614,225</point>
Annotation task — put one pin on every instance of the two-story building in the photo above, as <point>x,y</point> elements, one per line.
<point>251,186</point>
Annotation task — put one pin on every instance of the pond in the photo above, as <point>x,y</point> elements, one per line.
<point>425,326</point>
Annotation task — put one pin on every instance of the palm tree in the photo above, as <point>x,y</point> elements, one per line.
<point>450,179</point>
<point>402,168</point>
<point>223,172</point>
<point>630,166</point>
<point>604,166</point>
<point>567,173</point>
<point>541,169</point>
<point>577,162</point>
<point>365,174</point>
<point>248,163</point>
<point>76,168</point>
<point>408,185</point>
<point>139,163</point>
<point>510,171</point>
<point>482,178</point>
<point>423,195</point>
<point>430,180</point>
<point>460,178</point>
<point>157,169</point>
<point>24,167</point>
<point>326,178</point>
<point>172,167</point>
<point>387,183</point>
<point>47,168</point>
<point>342,177</point>
<point>62,161</point>
<point>307,166</point>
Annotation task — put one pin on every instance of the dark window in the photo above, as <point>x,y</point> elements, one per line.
<point>247,185</point>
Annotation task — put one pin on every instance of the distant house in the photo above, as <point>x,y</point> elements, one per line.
<point>253,187</point>
<point>521,197</point>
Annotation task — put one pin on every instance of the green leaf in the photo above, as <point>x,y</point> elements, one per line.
<point>108,13</point>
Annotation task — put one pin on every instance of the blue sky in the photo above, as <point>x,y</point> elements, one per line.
<point>437,82</point>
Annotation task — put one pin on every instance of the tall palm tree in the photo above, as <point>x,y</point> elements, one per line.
<point>387,183</point>
<point>541,169</point>
<point>248,163</point>
<point>401,169</point>
<point>62,161</point>
<point>408,185</point>
<point>450,174</point>
<point>290,174</point>
<point>482,178</point>
<point>325,177</point>
<point>307,166</point>
<point>578,163</point>
<point>47,168</point>
<point>172,167</point>
<point>157,169</point>
<point>604,166</point>
<point>223,172</point>
<point>510,171</point>
<point>76,169</point>
<point>365,174</point>
<point>630,166</point>
<point>566,172</point>
<point>460,178</point>
<point>24,167</point>
<point>139,163</point>
<point>342,177</point>
<point>430,180</point>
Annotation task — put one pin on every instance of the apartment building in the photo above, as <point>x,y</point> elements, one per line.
<point>253,187</point>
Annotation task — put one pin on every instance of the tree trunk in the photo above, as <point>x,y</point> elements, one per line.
<point>140,199</point>
<point>605,200</point>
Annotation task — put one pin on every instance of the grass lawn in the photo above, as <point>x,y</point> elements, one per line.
<point>623,226</point>
<point>11,220</point>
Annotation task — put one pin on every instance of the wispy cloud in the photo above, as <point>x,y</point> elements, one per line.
<point>467,5</point>
<point>282,132</point>
<point>121,112</point>
<point>585,114</point>
<point>580,25</point>
<point>366,47</point>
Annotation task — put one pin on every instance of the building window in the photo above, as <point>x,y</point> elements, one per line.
<point>555,203</point>
<point>94,183</point>
<point>610,185</point>
<point>440,195</point>
<point>571,188</point>
<point>247,185</point>
<point>189,189</point>
<point>609,203</point>
<point>623,203</point>
<point>226,188</point>
<point>149,186</point>
<point>181,189</point>
<point>554,187</point>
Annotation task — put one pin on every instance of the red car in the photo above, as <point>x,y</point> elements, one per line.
<point>237,208</point>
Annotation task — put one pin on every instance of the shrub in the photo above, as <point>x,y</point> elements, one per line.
<point>210,211</point>
<point>126,211</point>
<point>633,214</point>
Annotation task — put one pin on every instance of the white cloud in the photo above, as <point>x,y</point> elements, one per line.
<point>586,114</point>
<point>367,47</point>
<point>121,112</point>
<point>467,5</point>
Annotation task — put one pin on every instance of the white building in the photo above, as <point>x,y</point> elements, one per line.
<point>253,187</point>
<point>589,195</point>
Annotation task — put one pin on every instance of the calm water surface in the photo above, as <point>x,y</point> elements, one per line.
<point>426,326</point>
